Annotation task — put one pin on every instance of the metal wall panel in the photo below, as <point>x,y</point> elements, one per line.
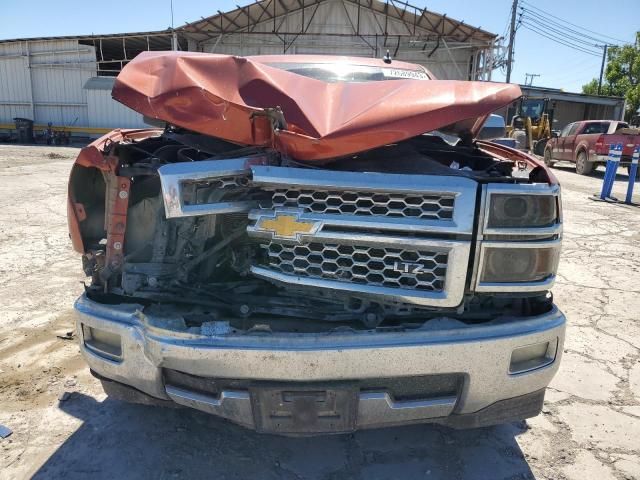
<point>15,92</point>
<point>567,112</point>
<point>43,80</point>
<point>105,112</point>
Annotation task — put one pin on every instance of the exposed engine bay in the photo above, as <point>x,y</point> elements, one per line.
<point>260,240</point>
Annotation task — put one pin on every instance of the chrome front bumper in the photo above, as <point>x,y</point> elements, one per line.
<point>482,356</point>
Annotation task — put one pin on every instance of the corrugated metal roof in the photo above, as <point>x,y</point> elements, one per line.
<point>418,21</point>
<point>89,37</point>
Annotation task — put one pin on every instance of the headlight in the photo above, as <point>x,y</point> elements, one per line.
<point>508,211</point>
<point>523,264</point>
<point>519,238</point>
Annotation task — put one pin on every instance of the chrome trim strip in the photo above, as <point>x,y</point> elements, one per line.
<point>366,239</point>
<point>173,175</point>
<point>366,181</point>
<point>554,230</point>
<point>449,297</point>
<point>405,224</point>
<point>550,357</point>
<point>462,189</point>
<point>374,408</point>
<point>378,408</point>
<point>540,286</point>
<point>102,353</point>
<point>233,405</point>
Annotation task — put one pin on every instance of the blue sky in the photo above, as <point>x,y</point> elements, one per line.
<point>557,65</point>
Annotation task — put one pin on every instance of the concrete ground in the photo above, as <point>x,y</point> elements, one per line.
<point>589,429</point>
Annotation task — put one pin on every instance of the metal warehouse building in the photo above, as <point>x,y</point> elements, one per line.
<point>67,80</point>
<point>571,107</point>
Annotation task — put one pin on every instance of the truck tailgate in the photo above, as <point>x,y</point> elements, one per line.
<point>628,141</point>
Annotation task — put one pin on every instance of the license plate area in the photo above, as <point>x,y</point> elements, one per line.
<point>288,409</point>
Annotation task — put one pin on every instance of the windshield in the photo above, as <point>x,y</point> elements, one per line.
<point>532,108</point>
<point>342,72</point>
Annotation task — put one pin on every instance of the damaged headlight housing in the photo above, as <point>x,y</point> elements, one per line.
<point>519,238</point>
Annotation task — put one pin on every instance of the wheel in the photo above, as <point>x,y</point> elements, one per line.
<point>520,136</point>
<point>548,161</point>
<point>583,166</point>
<point>539,146</point>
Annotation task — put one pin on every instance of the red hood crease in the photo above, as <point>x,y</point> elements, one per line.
<point>226,97</point>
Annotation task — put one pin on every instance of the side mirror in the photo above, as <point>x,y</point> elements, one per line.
<point>554,134</point>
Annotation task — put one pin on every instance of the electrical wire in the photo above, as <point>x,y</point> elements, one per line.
<point>543,12</point>
<point>507,23</point>
<point>574,37</point>
<point>558,40</point>
<point>572,71</point>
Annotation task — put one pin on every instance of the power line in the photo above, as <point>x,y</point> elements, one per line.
<point>563,29</point>
<point>572,24</point>
<point>574,70</point>
<point>559,40</point>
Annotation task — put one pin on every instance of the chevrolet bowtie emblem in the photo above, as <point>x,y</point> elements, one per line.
<point>287,226</point>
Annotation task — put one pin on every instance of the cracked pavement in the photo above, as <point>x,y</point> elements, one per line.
<point>589,428</point>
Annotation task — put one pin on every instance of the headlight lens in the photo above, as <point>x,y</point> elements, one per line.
<point>518,265</point>
<point>520,240</point>
<point>522,211</point>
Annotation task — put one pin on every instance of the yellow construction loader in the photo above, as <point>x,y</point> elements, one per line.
<point>531,124</point>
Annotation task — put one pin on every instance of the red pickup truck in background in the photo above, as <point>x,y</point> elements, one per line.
<point>587,144</point>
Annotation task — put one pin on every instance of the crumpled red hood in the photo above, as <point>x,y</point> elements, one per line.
<point>227,97</point>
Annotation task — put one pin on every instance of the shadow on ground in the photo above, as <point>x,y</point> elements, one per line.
<point>621,174</point>
<point>119,440</point>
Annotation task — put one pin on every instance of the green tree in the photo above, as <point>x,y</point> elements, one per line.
<point>622,75</point>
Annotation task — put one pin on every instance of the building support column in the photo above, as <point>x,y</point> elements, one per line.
<point>28,65</point>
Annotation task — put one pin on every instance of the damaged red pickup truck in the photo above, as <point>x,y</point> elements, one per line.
<point>315,245</point>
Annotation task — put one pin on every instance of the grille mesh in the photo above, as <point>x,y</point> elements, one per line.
<point>198,192</point>
<point>229,181</point>
<point>427,207</point>
<point>386,267</point>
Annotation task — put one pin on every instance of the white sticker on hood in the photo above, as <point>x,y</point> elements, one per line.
<point>413,74</point>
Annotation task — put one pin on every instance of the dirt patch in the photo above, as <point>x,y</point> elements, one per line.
<point>35,363</point>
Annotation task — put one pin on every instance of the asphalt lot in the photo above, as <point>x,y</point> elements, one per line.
<point>589,429</point>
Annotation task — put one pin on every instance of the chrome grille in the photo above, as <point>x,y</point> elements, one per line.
<point>383,204</point>
<point>400,239</point>
<point>364,265</point>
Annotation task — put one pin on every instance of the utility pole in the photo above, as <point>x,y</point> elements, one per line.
<point>174,36</point>
<point>604,59</point>
<point>512,38</point>
<point>531,76</point>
